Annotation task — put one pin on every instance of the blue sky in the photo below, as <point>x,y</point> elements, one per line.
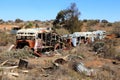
<point>48,9</point>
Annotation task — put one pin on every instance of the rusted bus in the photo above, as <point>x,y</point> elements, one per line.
<point>38,39</point>
<point>25,37</point>
<point>22,43</point>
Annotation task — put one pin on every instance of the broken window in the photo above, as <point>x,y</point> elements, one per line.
<point>44,37</point>
<point>40,35</point>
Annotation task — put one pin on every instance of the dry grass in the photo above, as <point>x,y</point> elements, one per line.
<point>62,31</point>
<point>17,54</point>
<point>6,39</point>
<point>64,71</point>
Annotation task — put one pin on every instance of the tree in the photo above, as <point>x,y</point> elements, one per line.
<point>85,20</point>
<point>68,19</point>
<point>1,21</point>
<point>29,25</point>
<point>104,21</point>
<point>36,25</point>
<point>18,20</point>
<point>10,22</point>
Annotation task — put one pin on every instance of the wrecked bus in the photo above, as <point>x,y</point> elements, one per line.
<point>42,39</point>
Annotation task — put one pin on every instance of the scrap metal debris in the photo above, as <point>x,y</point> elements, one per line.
<point>80,67</point>
<point>60,61</point>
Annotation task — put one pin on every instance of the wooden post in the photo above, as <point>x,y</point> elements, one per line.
<point>23,63</point>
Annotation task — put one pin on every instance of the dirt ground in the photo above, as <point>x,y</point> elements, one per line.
<point>60,66</point>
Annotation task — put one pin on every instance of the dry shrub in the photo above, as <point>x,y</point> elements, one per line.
<point>62,31</point>
<point>107,73</point>
<point>6,38</point>
<point>98,46</point>
<point>101,76</point>
<point>111,51</point>
<point>18,54</point>
<point>107,49</point>
<point>116,31</point>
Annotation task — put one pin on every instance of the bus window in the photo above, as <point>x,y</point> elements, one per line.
<point>44,37</point>
<point>40,35</point>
